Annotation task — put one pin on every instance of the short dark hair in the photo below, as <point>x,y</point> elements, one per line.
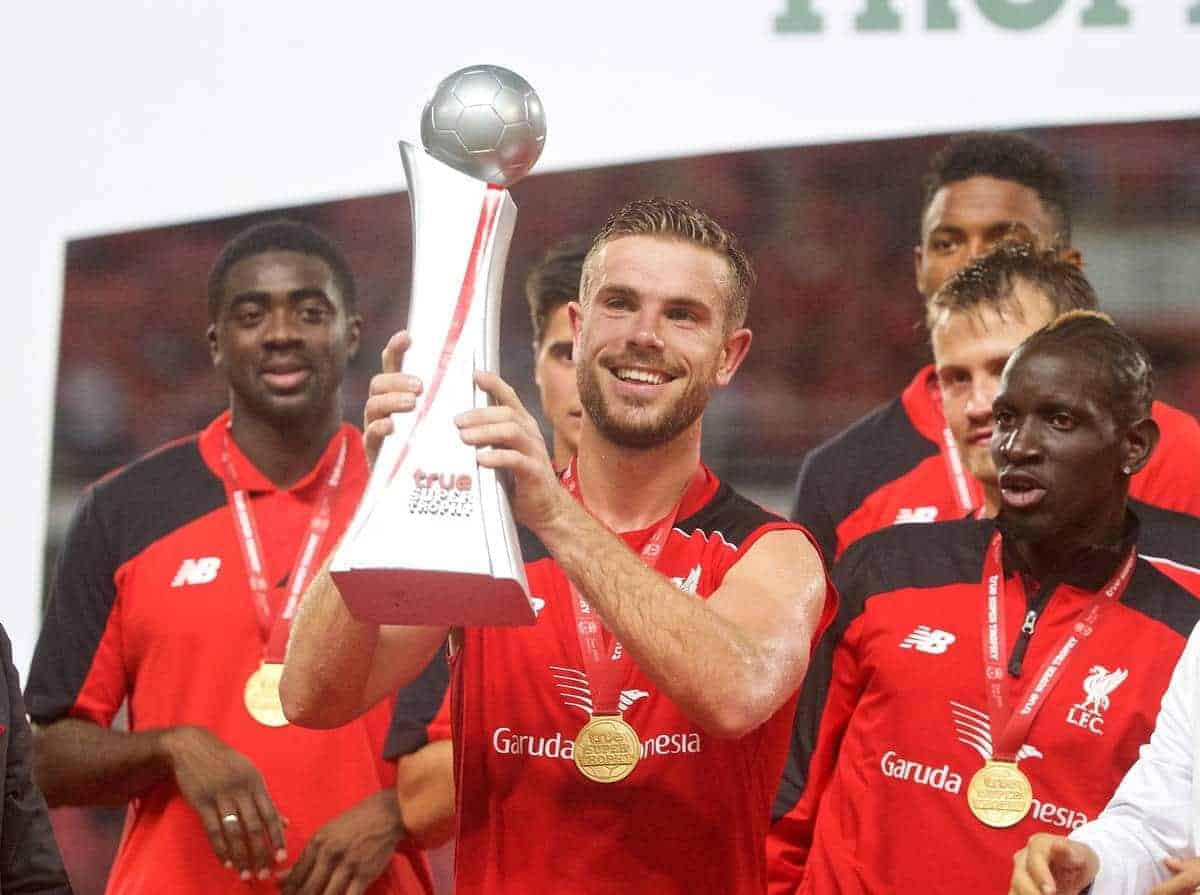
<point>1095,336</point>
<point>554,280</point>
<point>1005,156</point>
<point>682,220</point>
<point>280,235</point>
<point>989,281</point>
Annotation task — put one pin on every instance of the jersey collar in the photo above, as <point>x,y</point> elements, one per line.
<point>1091,567</point>
<point>212,440</point>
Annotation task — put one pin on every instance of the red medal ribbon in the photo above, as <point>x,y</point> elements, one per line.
<point>967,491</point>
<point>605,664</point>
<point>1015,722</point>
<point>273,627</point>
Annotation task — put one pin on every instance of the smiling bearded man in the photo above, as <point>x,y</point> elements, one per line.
<point>630,740</point>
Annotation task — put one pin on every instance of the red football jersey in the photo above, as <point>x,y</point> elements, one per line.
<point>894,466</point>
<point>151,604</point>
<point>878,801</point>
<point>693,814</point>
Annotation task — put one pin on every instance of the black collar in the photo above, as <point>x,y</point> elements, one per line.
<point>1089,568</point>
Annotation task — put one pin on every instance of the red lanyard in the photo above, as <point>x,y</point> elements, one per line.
<point>1014,723</point>
<point>603,662</point>
<point>274,628</point>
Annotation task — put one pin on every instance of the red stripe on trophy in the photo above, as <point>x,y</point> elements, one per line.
<point>484,230</point>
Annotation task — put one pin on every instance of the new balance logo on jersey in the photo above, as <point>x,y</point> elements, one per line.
<point>928,640</point>
<point>689,583</point>
<point>916,514</point>
<point>538,605</point>
<point>197,571</point>
<point>1097,686</point>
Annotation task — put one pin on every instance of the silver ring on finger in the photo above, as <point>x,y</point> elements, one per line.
<point>229,819</point>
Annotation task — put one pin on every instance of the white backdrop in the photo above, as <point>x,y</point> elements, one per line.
<point>123,114</point>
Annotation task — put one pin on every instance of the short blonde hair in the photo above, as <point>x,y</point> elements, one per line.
<point>678,219</point>
<point>991,279</point>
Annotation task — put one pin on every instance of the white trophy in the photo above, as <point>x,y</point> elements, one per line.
<point>433,541</point>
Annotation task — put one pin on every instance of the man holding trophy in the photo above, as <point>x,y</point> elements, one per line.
<point>632,734</point>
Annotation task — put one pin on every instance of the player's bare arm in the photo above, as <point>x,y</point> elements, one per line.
<point>337,667</point>
<point>82,763</point>
<point>425,793</point>
<point>729,662</point>
<point>350,851</point>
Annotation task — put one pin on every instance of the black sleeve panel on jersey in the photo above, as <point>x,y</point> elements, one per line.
<point>1165,534</point>
<point>83,596</point>
<point>116,520</point>
<point>924,555</point>
<point>1156,596</point>
<point>846,575</point>
<point>732,516</point>
<point>155,496</point>
<point>837,476</point>
<point>812,508</point>
<point>532,549</point>
<point>807,722</point>
<point>29,857</point>
<point>416,705</point>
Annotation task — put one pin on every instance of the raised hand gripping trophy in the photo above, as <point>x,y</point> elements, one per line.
<point>433,541</point>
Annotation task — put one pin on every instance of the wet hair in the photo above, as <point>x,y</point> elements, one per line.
<point>990,281</point>
<point>554,280</point>
<point>1094,335</point>
<point>1005,156</point>
<point>280,235</point>
<point>682,220</point>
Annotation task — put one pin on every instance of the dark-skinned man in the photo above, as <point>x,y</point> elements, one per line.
<point>659,779</point>
<point>904,462</point>
<point>976,320</point>
<point>175,590</point>
<point>992,678</point>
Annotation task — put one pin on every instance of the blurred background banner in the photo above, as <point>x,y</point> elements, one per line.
<point>123,118</point>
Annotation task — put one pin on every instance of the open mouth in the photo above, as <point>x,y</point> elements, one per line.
<point>641,376</point>
<point>1020,491</point>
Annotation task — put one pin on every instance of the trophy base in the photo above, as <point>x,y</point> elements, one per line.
<point>433,597</point>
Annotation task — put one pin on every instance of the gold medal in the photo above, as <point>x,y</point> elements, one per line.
<point>999,794</point>
<point>262,695</point>
<point>607,749</point>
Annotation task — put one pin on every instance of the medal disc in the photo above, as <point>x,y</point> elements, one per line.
<point>262,695</point>
<point>999,794</point>
<point>607,749</point>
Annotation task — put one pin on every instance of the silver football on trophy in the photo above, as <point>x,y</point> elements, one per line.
<point>487,122</point>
